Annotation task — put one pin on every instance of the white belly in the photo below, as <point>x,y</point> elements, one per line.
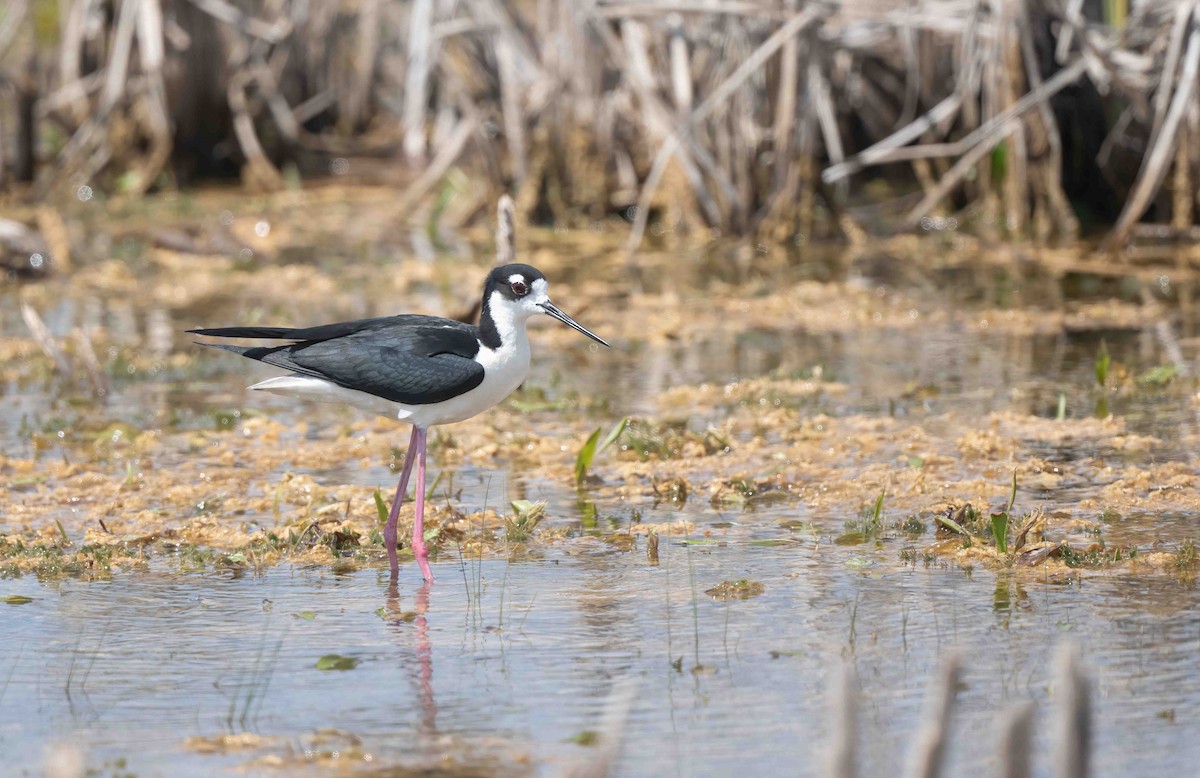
<point>505,370</point>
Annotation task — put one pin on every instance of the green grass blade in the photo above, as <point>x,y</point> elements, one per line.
<point>613,434</point>
<point>1102,363</point>
<point>952,525</point>
<point>381,507</point>
<point>584,460</point>
<point>1000,531</point>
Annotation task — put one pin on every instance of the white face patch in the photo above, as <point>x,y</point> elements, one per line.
<point>508,311</point>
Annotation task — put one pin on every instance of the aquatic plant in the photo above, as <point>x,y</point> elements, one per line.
<point>1001,521</point>
<point>1160,375</point>
<point>593,446</point>
<point>1102,364</point>
<point>868,525</point>
<point>1097,555</point>
<point>1185,559</point>
<point>671,439</point>
<point>337,662</point>
<point>525,517</point>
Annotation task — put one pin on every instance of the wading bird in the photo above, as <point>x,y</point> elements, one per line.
<point>421,369</point>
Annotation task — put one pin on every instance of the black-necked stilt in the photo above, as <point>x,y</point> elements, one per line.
<point>421,369</point>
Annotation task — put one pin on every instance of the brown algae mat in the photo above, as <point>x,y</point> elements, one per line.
<point>138,444</point>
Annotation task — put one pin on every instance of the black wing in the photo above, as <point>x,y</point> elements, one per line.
<point>323,332</point>
<point>414,360</point>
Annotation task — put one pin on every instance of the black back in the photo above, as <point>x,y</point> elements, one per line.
<point>409,359</point>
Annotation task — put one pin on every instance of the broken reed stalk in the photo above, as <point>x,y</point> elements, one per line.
<point>1071,739</point>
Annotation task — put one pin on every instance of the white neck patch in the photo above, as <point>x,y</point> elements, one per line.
<point>509,317</point>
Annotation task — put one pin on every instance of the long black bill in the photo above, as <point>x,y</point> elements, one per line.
<point>550,308</point>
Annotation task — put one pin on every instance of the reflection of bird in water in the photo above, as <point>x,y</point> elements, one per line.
<point>420,369</point>
<point>424,648</point>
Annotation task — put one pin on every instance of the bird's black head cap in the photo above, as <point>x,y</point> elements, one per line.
<point>514,281</point>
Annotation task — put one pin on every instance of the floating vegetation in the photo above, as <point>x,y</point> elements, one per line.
<point>671,439</point>
<point>1158,376</point>
<point>740,589</point>
<point>222,744</point>
<point>337,662</point>
<point>1095,555</point>
<point>1185,559</point>
<point>1028,546</point>
<point>672,490</point>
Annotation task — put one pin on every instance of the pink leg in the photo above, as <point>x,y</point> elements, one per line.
<point>389,530</point>
<point>418,540</point>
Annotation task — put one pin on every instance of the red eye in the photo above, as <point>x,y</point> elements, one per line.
<point>519,288</point>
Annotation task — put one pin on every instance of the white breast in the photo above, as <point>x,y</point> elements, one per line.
<point>505,369</point>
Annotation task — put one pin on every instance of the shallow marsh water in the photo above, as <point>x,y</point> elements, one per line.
<point>927,383</point>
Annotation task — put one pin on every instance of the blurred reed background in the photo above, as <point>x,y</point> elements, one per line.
<point>786,119</point>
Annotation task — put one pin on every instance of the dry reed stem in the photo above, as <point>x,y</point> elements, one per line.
<point>925,759</point>
<point>97,379</point>
<point>609,732</point>
<point>1073,714</point>
<point>1016,741</point>
<point>45,341</point>
<point>991,133</point>
<point>744,126</point>
<point>506,231</point>
<point>1154,165</point>
<point>514,122</point>
<point>445,157</point>
<point>843,703</point>
<point>417,77</point>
